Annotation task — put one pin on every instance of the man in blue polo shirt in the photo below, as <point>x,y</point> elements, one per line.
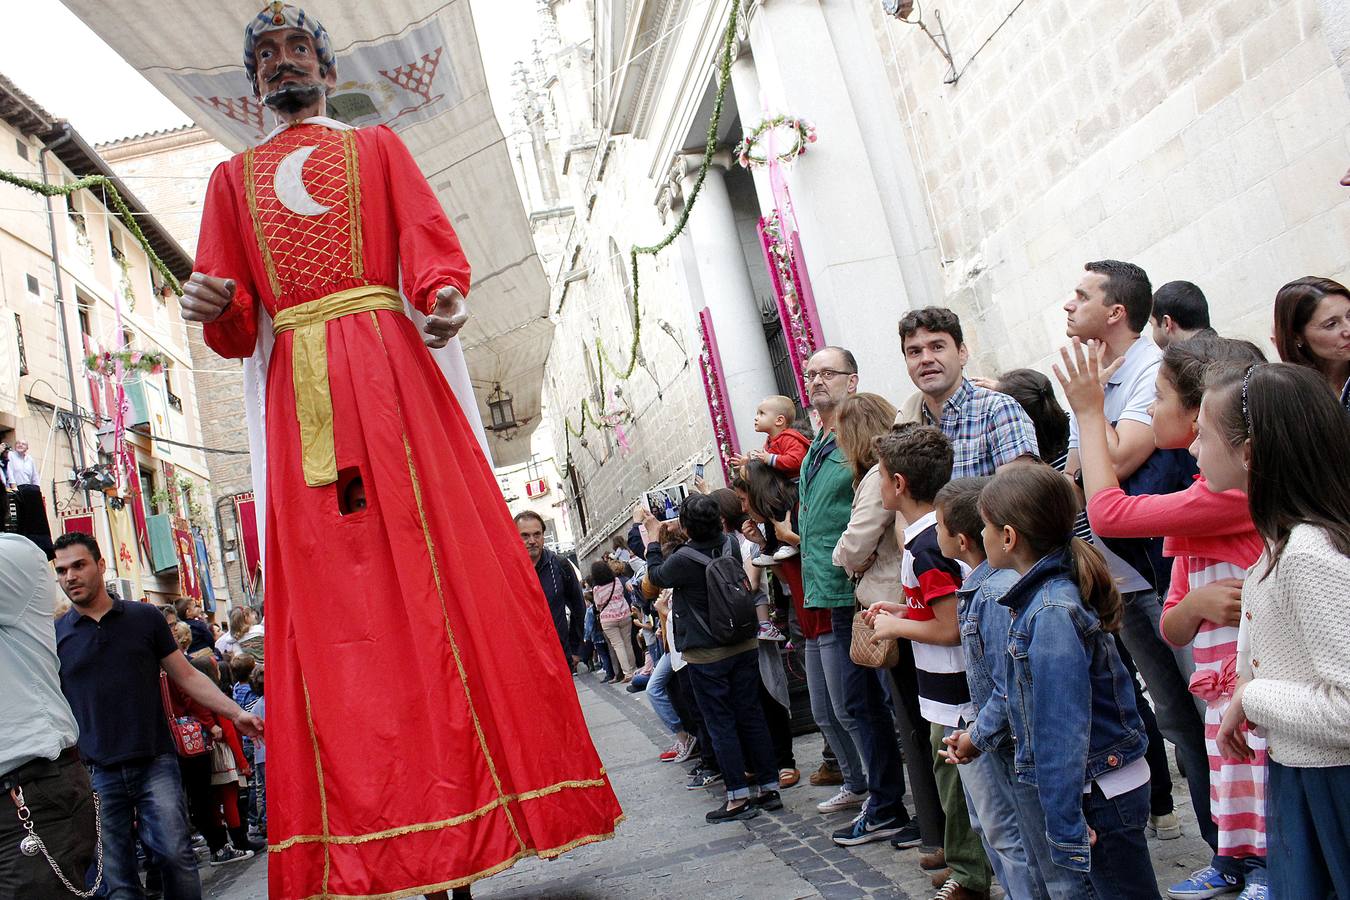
<point>111,654</point>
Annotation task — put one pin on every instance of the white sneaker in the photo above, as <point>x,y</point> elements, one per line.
<point>845,799</point>
<point>764,561</point>
<point>787,551</point>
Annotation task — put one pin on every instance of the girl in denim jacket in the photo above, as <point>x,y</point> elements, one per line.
<point>1078,738</point>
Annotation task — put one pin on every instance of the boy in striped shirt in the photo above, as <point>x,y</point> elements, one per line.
<point>916,461</point>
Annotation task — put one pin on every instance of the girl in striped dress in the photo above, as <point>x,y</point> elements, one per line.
<point>1211,541</point>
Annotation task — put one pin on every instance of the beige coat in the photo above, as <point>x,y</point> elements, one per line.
<point>871,529</point>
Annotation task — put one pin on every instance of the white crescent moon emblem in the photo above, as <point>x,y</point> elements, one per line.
<point>289,184</point>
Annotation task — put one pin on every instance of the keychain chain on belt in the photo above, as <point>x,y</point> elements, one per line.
<point>32,845</point>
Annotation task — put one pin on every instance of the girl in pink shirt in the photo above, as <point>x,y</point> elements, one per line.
<point>1212,543</point>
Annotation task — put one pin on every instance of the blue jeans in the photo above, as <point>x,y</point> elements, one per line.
<point>1167,675</point>
<point>1121,866</point>
<point>866,703</point>
<point>658,694</point>
<point>728,696</point>
<point>822,711</point>
<point>988,784</point>
<point>150,794</point>
<point>1308,830</point>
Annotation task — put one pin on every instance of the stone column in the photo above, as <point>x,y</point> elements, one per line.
<point>806,59</point>
<point>745,87</point>
<point>730,297</point>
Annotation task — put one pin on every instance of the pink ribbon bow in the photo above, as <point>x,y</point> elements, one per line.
<point>1214,685</point>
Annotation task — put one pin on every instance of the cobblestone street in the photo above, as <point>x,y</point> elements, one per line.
<point>665,849</point>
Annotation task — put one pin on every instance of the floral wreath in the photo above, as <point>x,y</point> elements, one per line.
<point>750,153</point>
<point>104,365</point>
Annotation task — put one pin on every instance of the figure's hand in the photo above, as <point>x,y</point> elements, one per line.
<point>1081,377</point>
<point>446,319</point>
<point>989,384</point>
<point>205,298</point>
<point>249,724</point>
<point>752,532</point>
<point>700,485</point>
<point>759,455</point>
<point>866,564</point>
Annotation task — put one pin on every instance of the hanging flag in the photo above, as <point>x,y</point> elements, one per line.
<point>204,570</point>
<point>78,520</point>
<point>189,585</point>
<point>134,497</point>
<point>246,519</point>
<point>125,553</point>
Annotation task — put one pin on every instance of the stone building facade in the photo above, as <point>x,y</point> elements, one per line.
<point>974,155</point>
<point>170,170</point>
<point>71,275</point>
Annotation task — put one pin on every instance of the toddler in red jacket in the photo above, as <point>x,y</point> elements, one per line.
<point>784,449</point>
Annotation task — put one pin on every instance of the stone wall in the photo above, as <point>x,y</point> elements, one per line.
<point>670,426</point>
<point>1201,139</point>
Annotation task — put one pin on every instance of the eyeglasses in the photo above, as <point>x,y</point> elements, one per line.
<point>823,375</point>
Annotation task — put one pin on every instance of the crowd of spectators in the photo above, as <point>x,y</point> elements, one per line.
<point>1007,612</point>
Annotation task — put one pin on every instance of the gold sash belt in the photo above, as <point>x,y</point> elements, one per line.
<point>309,364</point>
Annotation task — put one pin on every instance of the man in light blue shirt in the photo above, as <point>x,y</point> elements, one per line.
<point>37,736</point>
<point>1111,304</point>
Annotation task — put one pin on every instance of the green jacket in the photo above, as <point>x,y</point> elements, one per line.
<point>826,504</point>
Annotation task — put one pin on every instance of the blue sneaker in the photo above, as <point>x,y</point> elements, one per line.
<point>863,831</point>
<point>1207,882</point>
<point>1255,891</point>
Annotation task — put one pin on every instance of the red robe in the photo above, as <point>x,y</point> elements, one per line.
<point>423,729</point>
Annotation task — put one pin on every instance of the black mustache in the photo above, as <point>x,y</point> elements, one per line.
<point>284,70</point>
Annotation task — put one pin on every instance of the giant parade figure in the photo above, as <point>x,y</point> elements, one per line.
<point>423,730</point>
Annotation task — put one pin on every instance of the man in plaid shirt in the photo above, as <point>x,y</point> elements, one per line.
<point>987,429</point>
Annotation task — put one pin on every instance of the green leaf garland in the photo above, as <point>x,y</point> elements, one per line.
<point>587,416</point>
<point>111,196</point>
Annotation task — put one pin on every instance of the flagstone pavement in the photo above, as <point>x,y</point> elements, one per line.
<point>665,849</point>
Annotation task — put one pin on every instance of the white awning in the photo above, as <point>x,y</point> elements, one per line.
<point>414,65</point>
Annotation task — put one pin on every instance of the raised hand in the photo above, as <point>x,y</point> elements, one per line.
<point>1080,376</point>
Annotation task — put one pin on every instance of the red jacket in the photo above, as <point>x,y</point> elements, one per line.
<point>787,451</point>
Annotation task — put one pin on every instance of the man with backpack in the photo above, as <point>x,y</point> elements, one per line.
<point>715,626</point>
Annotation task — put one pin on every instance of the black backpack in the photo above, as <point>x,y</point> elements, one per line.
<point>731,602</point>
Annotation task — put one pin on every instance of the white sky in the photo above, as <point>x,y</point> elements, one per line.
<point>117,102</point>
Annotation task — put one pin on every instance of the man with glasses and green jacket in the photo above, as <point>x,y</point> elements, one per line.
<point>855,692</point>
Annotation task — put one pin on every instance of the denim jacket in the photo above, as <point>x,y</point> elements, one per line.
<point>984,627</point>
<point>1070,702</point>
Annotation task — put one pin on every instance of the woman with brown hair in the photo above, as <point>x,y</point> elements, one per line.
<point>870,551</point>
<point>1312,329</point>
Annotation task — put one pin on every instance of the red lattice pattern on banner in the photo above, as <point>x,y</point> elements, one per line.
<point>416,77</point>
<point>242,109</point>
<point>306,252</point>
